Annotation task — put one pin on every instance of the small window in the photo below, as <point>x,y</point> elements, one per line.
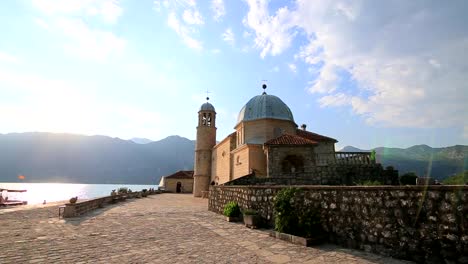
<point>238,160</point>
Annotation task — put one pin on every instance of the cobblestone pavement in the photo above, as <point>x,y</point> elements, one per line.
<point>165,228</point>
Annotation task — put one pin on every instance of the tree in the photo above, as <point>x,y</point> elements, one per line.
<point>408,178</point>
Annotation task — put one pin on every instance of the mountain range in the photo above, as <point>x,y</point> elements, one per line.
<point>423,160</point>
<point>49,157</point>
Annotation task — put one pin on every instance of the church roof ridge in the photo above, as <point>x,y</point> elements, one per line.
<point>182,174</point>
<point>289,139</point>
<point>313,136</point>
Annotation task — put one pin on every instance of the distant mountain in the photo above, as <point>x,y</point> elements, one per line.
<point>439,163</point>
<point>352,149</point>
<point>141,140</point>
<point>48,157</point>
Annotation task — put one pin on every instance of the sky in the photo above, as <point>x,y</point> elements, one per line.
<point>368,73</point>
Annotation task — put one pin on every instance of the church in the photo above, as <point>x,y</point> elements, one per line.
<point>266,143</point>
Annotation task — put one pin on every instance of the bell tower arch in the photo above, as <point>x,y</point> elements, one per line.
<point>206,140</point>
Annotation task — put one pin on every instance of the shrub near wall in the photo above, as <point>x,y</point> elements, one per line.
<point>410,222</point>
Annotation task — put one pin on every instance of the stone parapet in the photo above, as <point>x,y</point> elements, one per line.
<point>419,223</point>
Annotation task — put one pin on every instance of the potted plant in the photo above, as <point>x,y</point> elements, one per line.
<point>73,199</point>
<point>114,197</point>
<point>144,192</point>
<point>251,218</point>
<point>232,212</point>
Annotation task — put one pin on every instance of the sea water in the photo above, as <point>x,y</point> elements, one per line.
<point>37,193</point>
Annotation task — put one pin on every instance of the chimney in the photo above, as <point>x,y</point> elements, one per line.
<point>304,127</point>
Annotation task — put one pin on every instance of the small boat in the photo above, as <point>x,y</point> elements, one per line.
<point>4,201</point>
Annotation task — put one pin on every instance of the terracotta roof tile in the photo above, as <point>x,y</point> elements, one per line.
<point>288,139</point>
<point>181,175</point>
<point>313,136</point>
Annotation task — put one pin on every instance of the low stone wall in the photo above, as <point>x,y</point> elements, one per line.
<point>419,223</point>
<point>351,174</point>
<point>82,207</point>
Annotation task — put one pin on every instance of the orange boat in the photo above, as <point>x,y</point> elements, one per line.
<point>4,201</point>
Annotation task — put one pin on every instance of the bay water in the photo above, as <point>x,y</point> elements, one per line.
<point>37,193</point>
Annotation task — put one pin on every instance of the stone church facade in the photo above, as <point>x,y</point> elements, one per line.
<point>267,144</point>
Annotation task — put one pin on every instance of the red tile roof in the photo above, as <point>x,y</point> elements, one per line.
<point>288,139</point>
<point>180,175</point>
<point>314,136</point>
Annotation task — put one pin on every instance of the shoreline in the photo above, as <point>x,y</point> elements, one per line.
<point>15,208</point>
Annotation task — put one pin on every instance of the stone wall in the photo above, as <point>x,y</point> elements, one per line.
<point>83,206</point>
<point>352,174</point>
<point>277,154</point>
<point>170,185</point>
<point>419,223</point>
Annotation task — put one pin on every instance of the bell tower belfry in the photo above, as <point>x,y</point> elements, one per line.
<point>206,140</point>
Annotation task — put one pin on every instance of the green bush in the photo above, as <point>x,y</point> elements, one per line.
<point>293,216</point>
<point>122,190</point>
<point>370,183</point>
<point>231,209</point>
<point>408,179</point>
<point>459,179</point>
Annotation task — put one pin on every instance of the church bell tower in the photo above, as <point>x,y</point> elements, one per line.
<point>206,140</point>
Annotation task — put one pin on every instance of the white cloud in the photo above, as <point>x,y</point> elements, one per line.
<point>192,17</point>
<point>400,73</point>
<point>5,57</point>
<point>292,67</point>
<point>435,63</point>
<point>338,99</point>
<point>108,10</point>
<point>89,43</point>
<point>228,36</point>
<point>272,32</point>
<point>218,8</point>
<point>42,23</point>
<point>83,39</point>
<point>187,26</point>
<point>54,105</point>
<point>183,31</point>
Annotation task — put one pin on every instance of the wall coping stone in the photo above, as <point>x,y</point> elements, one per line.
<point>337,187</point>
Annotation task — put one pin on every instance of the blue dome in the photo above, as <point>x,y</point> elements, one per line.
<point>207,107</point>
<point>265,106</point>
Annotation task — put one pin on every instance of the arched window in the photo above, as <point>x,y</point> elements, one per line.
<point>292,164</point>
<point>208,120</point>
<point>204,119</point>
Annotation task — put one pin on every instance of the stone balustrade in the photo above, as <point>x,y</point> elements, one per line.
<point>344,158</point>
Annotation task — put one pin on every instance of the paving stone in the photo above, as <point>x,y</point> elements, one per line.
<point>165,228</point>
